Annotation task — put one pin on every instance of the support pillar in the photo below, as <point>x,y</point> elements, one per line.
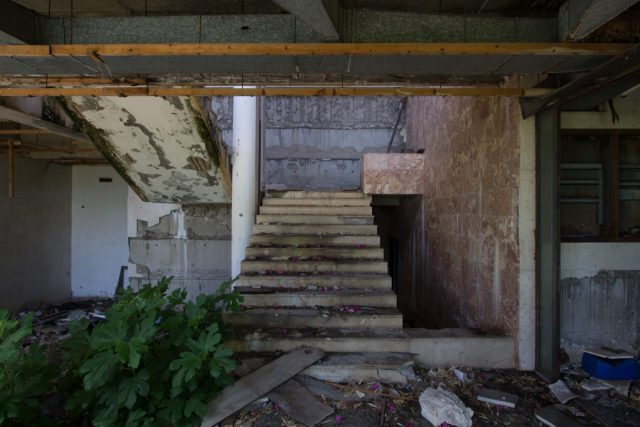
<point>243,180</point>
<point>548,245</point>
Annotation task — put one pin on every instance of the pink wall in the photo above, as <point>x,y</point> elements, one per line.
<point>458,245</point>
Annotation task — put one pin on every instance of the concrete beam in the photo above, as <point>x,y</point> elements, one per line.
<point>367,27</point>
<point>618,69</point>
<point>35,122</point>
<point>18,25</point>
<point>313,13</point>
<point>579,18</point>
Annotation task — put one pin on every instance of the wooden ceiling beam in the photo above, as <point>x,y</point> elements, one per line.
<point>23,132</point>
<point>312,49</point>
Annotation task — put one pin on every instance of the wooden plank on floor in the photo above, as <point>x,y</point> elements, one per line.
<point>259,383</point>
<point>295,400</point>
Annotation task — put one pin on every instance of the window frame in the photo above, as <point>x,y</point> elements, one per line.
<point>611,188</point>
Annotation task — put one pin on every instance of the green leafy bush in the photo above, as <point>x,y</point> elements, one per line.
<point>25,375</point>
<point>156,360</point>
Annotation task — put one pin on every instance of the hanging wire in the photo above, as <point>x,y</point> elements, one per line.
<point>71,23</point>
<point>200,24</point>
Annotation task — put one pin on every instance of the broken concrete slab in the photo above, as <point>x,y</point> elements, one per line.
<point>497,397</point>
<point>298,402</point>
<point>552,417</point>
<point>258,383</point>
<point>383,367</point>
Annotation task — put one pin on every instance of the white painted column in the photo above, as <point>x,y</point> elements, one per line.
<point>243,181</point>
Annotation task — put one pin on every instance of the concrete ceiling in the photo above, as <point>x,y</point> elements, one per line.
<point>163,146</point>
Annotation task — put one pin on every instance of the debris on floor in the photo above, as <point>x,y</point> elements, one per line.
<point>440,406</point>
<point>497,397</point>
<point>361,404</point>
<point>51,323</point>
<point>377,401</point>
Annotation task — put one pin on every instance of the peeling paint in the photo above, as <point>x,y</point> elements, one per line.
<point>148,140</point>
<point>97,136</point>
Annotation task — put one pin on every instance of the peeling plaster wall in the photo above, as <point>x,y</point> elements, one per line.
<point>317,143</point>
<point>600,281</point>
<point>35,237</point>
<point>190,242</point>
<point>152,142</point>
<point>458,244</point>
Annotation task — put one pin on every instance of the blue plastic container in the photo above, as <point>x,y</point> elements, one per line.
<point>610,369</point>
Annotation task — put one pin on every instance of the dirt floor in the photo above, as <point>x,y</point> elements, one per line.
<point>377,404</point>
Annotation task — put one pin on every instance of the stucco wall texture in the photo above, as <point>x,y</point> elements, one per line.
<point>459,259</point>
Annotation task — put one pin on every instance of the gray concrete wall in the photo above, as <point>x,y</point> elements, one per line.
<point>601,310</point>
<point>191,243</point>
<point>35,243</point>
<point>317,143</point>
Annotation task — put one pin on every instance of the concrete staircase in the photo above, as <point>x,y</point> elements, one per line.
<point>314,264</point>
<point>315,275</point>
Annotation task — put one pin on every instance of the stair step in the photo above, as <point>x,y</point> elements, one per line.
<point>313,240</point>
<point>315,318</point>
<point>316,210</point>
<point>290,201</point>
<point>359,281</point>
<point>293,267</point>
<point>347,340</point>
<point>317,194</point>
<point>333,298</point>
<point>306,253</point>
<point>327,230</point>
<point>314,219</point>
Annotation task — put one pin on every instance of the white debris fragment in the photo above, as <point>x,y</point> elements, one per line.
<point>441,406</point>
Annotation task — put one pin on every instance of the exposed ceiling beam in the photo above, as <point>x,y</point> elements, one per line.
<point>269,91</point>
<point>579,18</point>
<point>18,25</point>
<point>604,94</point>
<point>314,14</point>
<point>34,122</point>
<point>311,49</point>
<point>611,72</point>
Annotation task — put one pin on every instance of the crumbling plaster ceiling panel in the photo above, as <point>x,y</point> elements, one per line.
<point>157,145</point>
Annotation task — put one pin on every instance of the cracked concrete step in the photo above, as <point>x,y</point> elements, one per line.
<point>343,367</point>
<point>305,253</point>
<point>316,210</point>
<point>292,267</point>
<point>317,194</point>
<point>289,201</point>
<point>327,230</point>
<point>357,281</point>
<point>347,340</point>
<point>314,219</point>
<point>327,298</point>
<point>315,318</point>
<point>313,240</point>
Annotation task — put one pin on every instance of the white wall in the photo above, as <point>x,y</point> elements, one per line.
<point>98,230</point>
<point>586,259</point>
